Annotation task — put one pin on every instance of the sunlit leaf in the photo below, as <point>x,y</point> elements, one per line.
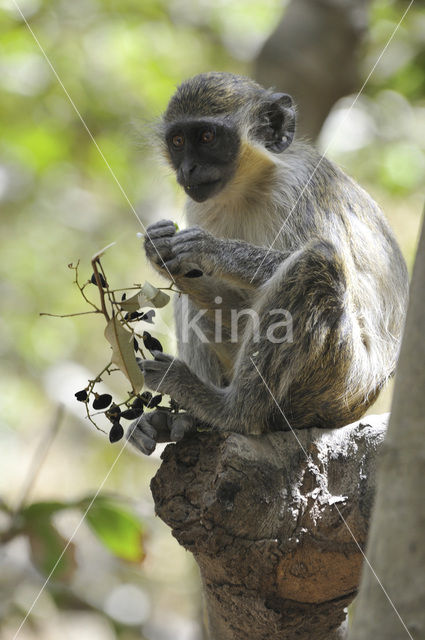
<point>153,297</point>
<point>148,296</point>
<point>123,355</point>
<point>117,528</point>
<point>130,304</point>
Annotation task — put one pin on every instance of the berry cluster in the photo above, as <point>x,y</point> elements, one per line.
<point>131,409</point>
<point>122,316</point>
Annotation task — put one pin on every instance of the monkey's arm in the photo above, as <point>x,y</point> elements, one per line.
<point>240,262</point>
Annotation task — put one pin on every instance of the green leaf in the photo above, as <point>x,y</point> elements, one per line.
<point>46,543</point>
<point>43,509</point>
<point>123,355</point>
<point>117,528</point>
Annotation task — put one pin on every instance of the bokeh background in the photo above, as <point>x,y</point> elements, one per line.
<point>124,576</point>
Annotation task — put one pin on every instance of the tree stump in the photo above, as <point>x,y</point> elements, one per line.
<point>277,524</point>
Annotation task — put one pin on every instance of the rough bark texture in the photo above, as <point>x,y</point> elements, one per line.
<point>396,548</point>
<point>264,518</point>
<point>314,55</point>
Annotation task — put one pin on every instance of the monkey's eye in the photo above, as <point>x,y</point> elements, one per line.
<point>177,141</point>
<point>207,136</point>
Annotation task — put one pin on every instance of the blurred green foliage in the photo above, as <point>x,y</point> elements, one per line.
<point>61,201</point>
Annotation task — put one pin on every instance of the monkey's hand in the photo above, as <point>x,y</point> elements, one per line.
<point>174,254</point>
<point>160,372</point>
<point>193,247</point>
<point>236,260</point>
<point>167,374</point>
<point>158,245</point>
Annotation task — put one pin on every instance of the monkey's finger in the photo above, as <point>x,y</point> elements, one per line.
<point>182,424</point>
<point>159,250</point>
<point>160,254</point>
<point>158,242</point>
<point>191,247</point>
<point>191,232</point>
<point>186,256</point>
<point>173,266</point>
<point>160,229</point>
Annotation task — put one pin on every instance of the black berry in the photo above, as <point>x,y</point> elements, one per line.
<point>101,278</point>
<point>116,432</point>
<point>155,401</point>
<point>146,397</point>
<point>138,403</point>
<point>113,413</point>
<point>102,401</point>
<point>151,343</point>
<point>132,414</point>
<point>135,315</point>
<point>148,316</point>
<point>135,344</point>
<point>81,395</point>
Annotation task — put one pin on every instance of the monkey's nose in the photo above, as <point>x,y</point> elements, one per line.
<point>187,170</point>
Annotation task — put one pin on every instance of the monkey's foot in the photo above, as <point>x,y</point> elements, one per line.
<point>169,375</point>
<point>159,426</point>
<point>142,433</point>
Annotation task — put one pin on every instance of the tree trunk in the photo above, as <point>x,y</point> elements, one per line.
<point>396,549</point>
<point>314,55</point>
<point>276,524</point>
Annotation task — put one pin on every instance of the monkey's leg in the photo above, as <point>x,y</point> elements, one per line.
<point>319,377</point>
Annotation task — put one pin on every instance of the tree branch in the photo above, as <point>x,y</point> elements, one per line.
<point>276,524</point>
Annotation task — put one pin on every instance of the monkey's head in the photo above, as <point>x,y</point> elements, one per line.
<point>211,118</point>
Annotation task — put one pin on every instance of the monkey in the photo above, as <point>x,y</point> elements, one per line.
<point>273,225</point>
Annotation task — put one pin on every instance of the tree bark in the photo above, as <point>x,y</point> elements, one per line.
<point>314,55</point>
<point>276,524</point>
<point>396,549</point>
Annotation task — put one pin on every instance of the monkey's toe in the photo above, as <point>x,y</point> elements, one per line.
<point>183,423</point>
<point>142,435</point>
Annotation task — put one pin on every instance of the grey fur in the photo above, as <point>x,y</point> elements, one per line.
<point>333,263</point>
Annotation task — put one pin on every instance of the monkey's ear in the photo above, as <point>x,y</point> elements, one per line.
<point>280,128</point>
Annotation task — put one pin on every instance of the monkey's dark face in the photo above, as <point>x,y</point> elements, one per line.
<point>204,153</point>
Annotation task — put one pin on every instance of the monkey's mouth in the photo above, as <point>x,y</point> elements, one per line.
<point>203,190</point>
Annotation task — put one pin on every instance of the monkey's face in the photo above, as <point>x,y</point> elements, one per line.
<point>204,155</point>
